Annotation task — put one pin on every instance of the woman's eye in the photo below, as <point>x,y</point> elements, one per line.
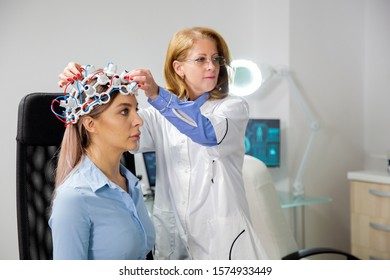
<point>200,59</point>
<point>125,112</point>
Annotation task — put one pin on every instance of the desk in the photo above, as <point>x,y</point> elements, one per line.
<point>288,200</point>
<point>149,200</point>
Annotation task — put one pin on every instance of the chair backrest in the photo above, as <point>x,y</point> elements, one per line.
<point>265,210</point>
<point>39,135</point>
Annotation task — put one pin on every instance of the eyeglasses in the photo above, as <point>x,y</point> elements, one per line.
<point>202,61</point>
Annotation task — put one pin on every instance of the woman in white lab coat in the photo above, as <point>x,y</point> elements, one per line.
<point>197,131</point>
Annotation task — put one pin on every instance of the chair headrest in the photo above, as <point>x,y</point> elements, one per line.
<point>36,123</point>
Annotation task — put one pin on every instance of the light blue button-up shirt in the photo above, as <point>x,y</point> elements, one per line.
<point>93,218</point>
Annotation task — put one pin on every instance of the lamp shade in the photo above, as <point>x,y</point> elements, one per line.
<point>246,77</point>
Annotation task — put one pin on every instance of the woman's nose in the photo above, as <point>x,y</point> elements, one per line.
<point>210,64</point>
<point>138,120</point>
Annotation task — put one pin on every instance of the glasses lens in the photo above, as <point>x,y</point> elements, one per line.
<point>219,60</point>
<point>201,61</point>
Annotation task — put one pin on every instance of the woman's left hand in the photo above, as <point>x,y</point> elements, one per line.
<point>145,81</point>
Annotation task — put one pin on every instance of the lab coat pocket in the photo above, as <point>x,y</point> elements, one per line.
<point>231,238</point>
<point>165,226</point>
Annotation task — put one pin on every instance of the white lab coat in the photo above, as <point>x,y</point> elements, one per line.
<point>200,210</point>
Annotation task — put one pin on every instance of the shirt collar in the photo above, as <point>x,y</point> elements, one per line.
<point>96,179</point>
<point>202,99</point>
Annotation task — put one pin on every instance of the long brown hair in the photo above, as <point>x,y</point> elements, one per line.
<point>76,140</point>
<point>178,49</point>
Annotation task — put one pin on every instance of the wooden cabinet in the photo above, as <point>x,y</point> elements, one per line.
<point>370,214</point>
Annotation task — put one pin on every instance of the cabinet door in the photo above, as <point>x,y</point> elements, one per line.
<point>370,220</point>
<point>370,199</point>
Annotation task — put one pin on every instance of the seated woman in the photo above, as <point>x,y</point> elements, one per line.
<point>98,210</point>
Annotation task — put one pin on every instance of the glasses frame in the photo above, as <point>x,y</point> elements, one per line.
<point>203,61</point>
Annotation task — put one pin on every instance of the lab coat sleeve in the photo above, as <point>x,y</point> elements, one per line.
<point>229,120</point>
<point>186,116</point>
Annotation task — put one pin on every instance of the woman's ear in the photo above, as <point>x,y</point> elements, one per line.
<point>89,124</point>
<point>178,67</point>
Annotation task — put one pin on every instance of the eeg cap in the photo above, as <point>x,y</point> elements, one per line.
<point>73,102</point>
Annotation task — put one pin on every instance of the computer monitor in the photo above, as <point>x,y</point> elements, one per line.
<point>262,140</point>
<point>150,166</point>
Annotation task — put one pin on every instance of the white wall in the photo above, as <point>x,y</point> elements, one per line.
<point>340,56</point>
<point>336,50</point>
<point>377,89</point>
<point>39,37</point>
<point>326,58</point>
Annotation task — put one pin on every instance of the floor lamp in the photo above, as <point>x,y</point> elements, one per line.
<point>249,78</point>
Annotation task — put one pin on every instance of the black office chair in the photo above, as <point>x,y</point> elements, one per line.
<point>309,252</point>
<point>39,135</point>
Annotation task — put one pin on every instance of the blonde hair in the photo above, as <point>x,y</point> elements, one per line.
<point>76,140</point>
<point>178,49</point>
